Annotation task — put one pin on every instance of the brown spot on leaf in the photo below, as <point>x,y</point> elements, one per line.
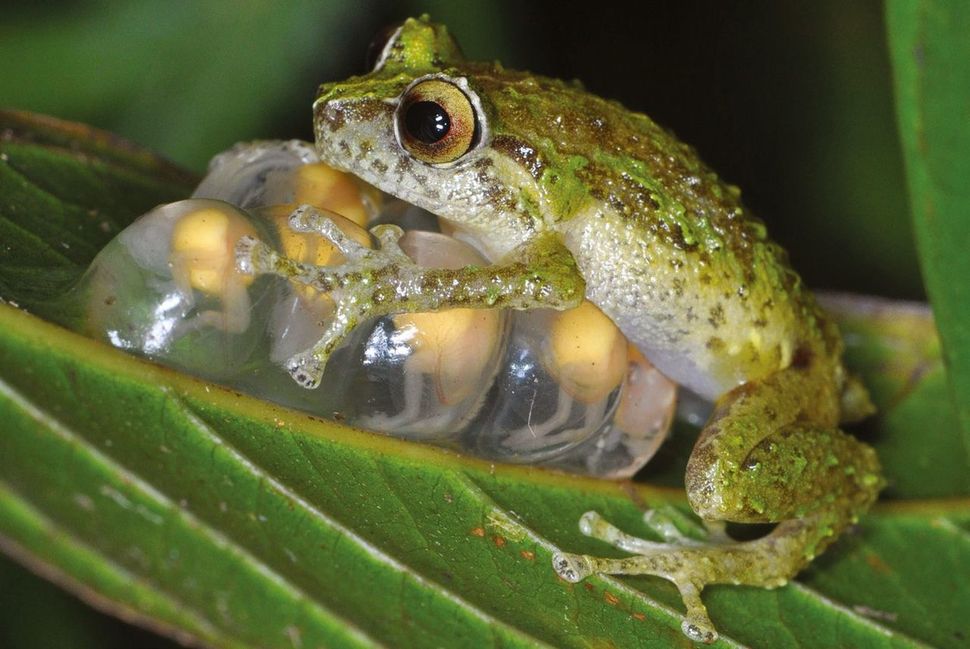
<point>478,531</point>
<point>876,563</point>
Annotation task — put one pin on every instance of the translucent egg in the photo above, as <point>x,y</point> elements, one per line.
<point>573,393</point>
<point>561,389</point>
<point>560,380</point>
<point>638,426</point>
<point>286,174</point>
<point>424,375</point>
<point>167,287</point>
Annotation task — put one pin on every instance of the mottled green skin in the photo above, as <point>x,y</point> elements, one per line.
<point>617,205</point>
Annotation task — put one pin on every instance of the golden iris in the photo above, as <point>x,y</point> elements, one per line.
<point>436,122</point>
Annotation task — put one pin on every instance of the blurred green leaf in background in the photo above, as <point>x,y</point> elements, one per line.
<point>186,78</point>
<point>931,52</point>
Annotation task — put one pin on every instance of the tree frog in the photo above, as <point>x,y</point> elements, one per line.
<point>572,196</point>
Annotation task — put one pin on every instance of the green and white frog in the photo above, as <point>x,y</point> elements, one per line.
<point>574,196</point>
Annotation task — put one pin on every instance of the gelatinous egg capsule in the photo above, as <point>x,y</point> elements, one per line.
<point>167,287</point>
<point>421,376</point>
<point>254,174</point>
<point>564,389</point>
<point>297,315</point>
<point>558,384</point>
<point>430,372</point>
<point>300,313</point>
<point>270,179</point>
<point>414,375</point>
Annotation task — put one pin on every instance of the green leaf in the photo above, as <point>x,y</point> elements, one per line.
<point>216,518</point>
<point>931,62</point>
<point>894,348</point>
<point>67,190</point>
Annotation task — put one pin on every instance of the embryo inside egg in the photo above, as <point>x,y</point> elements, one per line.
<point>562,389</point>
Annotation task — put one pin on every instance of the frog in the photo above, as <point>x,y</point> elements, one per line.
<point>570,197</point>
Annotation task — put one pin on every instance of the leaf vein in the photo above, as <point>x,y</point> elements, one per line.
<point>65,579</point>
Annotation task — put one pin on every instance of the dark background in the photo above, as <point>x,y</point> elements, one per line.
<point>792,102</point>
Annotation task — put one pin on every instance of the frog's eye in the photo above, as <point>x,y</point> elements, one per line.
<point>436,122</point>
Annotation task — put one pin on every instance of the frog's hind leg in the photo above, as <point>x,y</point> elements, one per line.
<point>676,559</point>
<point>771,452</point>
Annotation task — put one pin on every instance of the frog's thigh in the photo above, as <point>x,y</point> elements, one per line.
<point>763,459</point>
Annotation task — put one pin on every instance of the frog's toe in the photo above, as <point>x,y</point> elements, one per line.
<point>307,218</point>
<point>588,523</point>
<point>699,630</point>
<point>667,522</point>
<point>389,236</point>
<point>571,567</point>
<point>305,369</point>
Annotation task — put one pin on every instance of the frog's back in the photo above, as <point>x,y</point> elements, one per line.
<point>667,248</point>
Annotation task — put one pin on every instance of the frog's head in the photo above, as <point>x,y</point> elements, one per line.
<point>432,128</point>
<point>413,107</point>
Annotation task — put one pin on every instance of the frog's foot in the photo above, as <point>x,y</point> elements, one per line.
<point>655,558</point>
<point>359,287</point>
<point>690,563</point>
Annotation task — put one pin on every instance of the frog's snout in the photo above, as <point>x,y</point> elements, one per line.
<point>329,116</point>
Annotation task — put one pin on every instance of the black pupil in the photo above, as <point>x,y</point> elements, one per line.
<point>427,121</point>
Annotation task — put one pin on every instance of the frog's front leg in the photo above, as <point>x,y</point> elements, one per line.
<point>384,281</point>
<point>771,452</point>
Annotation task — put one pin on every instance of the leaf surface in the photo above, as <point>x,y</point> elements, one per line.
<point>931,64</point>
